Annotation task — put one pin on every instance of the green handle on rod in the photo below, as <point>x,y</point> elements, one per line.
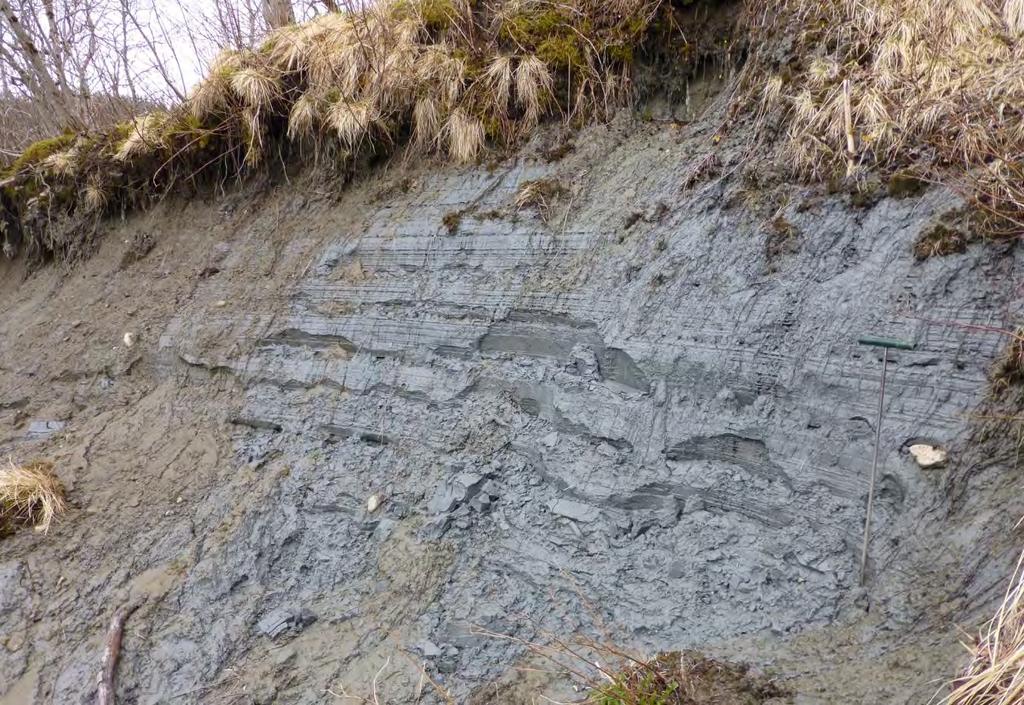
<point>886,343</point>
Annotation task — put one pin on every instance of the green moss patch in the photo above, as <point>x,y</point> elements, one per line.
<point>906,184</point>
<point>36,152</point>
<point>941,240</point>
<point>685,678</point>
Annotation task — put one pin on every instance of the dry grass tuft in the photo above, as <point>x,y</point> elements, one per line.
<point>256,88</point>
<point>498,78</point>
<point>539,195</point>
<point>1008,370</point>
<point>94,196</point>
<point>533,89</point>
<point>426,120</point>
<point>144,135</point>
<point>465,136</point>
<point>213,94</point>
<point>30,494</point>
<point>1013,15</point>
<point>353,121</point>
<point>304,117</point>
<point>61,163</point>
<point>995,675</point>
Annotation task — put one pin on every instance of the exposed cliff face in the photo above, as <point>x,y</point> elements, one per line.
<point>647,408</point>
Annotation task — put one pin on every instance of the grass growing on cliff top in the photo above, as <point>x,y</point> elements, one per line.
<point>836,89</point>
<point>881,84</point>
<point>446,76</point>
<point>30,494</point>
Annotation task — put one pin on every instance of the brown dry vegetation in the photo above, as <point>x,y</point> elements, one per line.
<point>30,494</point>
<point>1008,370</point>
<point>939,241</point>
<point>683,678</point>
<point>609,674</point>
<point>880,85</point>
<point>19,128</point>
<point>539,195</point>
<point>995,675</point>
<point>444,76</point>
<point>847,88</point>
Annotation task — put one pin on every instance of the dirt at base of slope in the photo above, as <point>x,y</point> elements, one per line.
<point>135,437</point>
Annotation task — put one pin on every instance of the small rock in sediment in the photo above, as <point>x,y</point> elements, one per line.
<point>577,511</point>
<point>550,440</point>
<point>274,622</point>
<point>455,491</point>
<point>384,529</point>
<point>129,339</point>
<point>491,489</point>
<point>279,620</point>
<point>435,528</point>
<point>43,429</point>
<point>373,503</point>
<point>429,649</point>
<point>15,642</point>
<point>283,656</point>
<point>481,503</point>
<point>693,503</point>
<point>445,499</point>
<point>75,323</point>
<point>928,456</point>
<point>221,304</point>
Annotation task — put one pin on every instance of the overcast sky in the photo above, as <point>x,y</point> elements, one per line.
<point>184,34</point>
<point>169,43</point>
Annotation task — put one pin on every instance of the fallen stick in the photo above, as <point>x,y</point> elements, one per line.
<point>105,678</point>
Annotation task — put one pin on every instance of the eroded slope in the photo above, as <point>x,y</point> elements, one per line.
<point>642,409</point>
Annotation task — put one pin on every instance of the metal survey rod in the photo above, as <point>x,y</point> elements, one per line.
<point>885,344</point>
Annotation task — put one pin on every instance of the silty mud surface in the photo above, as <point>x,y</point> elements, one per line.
<point>631,416</point>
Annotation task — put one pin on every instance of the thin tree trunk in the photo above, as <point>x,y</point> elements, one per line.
<point>42,84</point>
<point>278,13</point>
